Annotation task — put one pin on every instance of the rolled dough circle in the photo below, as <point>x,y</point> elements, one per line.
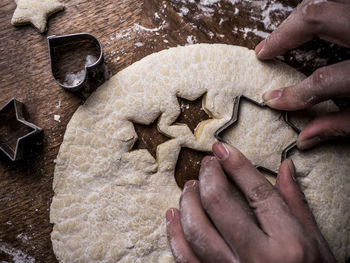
<point>109,202</point>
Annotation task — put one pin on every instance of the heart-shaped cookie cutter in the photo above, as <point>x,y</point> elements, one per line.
<point>15,132</point>
<point>234,120</point>
<point>91,76</point>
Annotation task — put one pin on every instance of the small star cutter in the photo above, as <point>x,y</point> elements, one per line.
<point>235,117</point>
<point>11,113</point>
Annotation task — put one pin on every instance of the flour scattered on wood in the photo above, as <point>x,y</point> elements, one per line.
<point>58,105</point>
<point>138,27</point>
<point>245,31</point>
<point>268,13</point>
<point>17,255</point>
<point>23,237</point>
<point>191,40</point>
<point>139,44</point>
<point>183,11</point>
<point>141,35</point>
<point>57,118</point>
<point>135,29</point>
<point>260,19</point>
<point>276,9</point>
<point>307,57</point>
<point>184,106</point>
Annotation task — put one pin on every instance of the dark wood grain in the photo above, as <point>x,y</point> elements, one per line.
<point>26,186</point>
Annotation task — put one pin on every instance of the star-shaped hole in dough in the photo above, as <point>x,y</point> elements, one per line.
<point>188,163</point>
<point>148,137</point>
<point>14,130</point>
<point>35,12</point>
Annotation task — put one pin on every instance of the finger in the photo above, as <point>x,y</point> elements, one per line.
<point>180,248</point>
<point>292,195</point>
<point>233,222</point>
<point>270,209</point>
<point>332,20</point>
<point>325,83</point>
<point>325,19</point>
<point>203,238</point>
<point>289,189</point>
<point>331,126</point>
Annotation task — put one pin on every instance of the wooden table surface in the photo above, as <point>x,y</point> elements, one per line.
<point>128,31</point>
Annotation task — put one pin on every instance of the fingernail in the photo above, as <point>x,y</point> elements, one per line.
<point>291,168</point>
<point>188,185</point>
<point>272,95</point>
<point>220,151</point>
<point>304,144</point>
<point>169,216</point>
<point>206,159</point>
<point>260,47</point>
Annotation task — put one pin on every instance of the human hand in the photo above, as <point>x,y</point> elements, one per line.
<point>328,20</point>
<point>211,225</point>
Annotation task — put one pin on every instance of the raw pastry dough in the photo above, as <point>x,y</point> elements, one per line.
<point>109,202</point>
<point>35,12</point>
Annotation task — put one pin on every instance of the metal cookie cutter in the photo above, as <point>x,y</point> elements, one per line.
<point>234,120</point>
<point>68,51</point>
<point>15,131</point>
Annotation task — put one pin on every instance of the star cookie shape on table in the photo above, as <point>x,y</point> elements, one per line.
<point>35,12</point>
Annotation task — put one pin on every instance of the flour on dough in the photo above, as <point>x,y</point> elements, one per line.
<point>35,12</point>
<point>109,201</point>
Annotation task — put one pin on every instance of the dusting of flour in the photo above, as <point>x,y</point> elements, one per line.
<point>16,255</point>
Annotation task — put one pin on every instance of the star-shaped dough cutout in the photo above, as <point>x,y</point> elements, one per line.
<point>235,119</point>
<point>35,12</point>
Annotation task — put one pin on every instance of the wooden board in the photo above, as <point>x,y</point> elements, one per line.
<point>128,30</point>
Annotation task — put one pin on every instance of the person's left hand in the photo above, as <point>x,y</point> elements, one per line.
<point>211,225</point>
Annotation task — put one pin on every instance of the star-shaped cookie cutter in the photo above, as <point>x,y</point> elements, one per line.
<point>234,119</point>
<point>93,73</point>
<point>15,131</point>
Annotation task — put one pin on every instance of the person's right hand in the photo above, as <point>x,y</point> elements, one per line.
<point>212,226</point>
<point>328,20</point>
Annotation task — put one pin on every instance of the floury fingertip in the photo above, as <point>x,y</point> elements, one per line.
<point>169,215</point>
<point>307,143</point>
<point>206,159</point>
<point>220,150</point>
<point>272,95</point>
<point>259,48</point>
<point>189,184</point>
<point>291,168</point>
